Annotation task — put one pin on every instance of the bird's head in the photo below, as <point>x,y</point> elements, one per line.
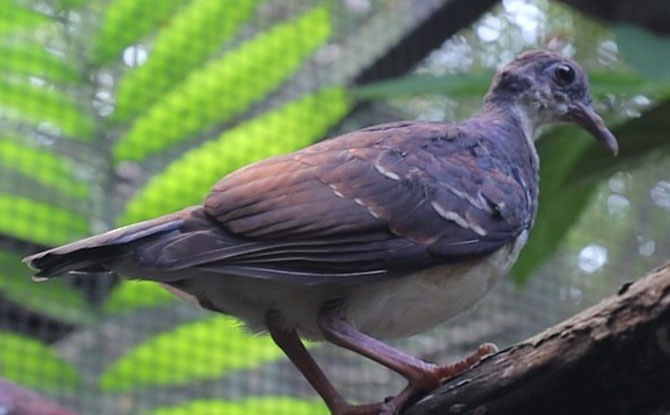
<point>545,87</point>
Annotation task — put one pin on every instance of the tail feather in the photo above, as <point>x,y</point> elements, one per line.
<point>90,254</point>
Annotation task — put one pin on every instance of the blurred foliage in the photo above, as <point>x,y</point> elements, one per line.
<point>203,76</point>
<point>269,405</point>
<point>36,105</point>
<point>156,361</point>
<point>14,17</point>
<point>54,171</point>
<point>296,125</point>
<point>127,21</point>
<point>30,363</point>
<point>29,59</point>
<point>252,70</point>
<point>569,181</point>
<point>39,222</point>
<point>53,298</point>
<point>183,91</point>
<point>174,53</point>
<point>653,59</point>
<point>131,295</point>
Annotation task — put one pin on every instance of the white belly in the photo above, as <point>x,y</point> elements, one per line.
<point>394,308</point>
<point>412,304</point>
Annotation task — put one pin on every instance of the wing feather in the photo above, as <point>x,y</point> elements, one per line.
<point>362,206</point>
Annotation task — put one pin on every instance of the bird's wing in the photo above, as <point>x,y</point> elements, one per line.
<point>365,204</point>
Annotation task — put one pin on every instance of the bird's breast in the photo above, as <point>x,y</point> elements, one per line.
<point>409,305</point>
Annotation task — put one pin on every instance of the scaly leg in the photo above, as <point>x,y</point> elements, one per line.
<point>421,375</point>
<point>289,341</point>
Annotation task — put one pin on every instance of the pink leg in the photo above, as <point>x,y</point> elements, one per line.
<point>421,375</point>
<point>289,341</point>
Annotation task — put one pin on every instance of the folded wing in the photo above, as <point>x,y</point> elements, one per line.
<point>368,205</point>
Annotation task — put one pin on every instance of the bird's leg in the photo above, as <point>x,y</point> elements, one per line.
<point>288,340</point>
<point>421,375</point>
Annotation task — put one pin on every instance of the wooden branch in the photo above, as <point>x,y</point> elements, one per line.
<point>416,44</point>
<point>613,358</point>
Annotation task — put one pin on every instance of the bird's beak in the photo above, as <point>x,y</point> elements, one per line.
<point>586,117</point>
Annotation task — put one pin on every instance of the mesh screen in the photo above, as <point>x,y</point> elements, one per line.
<point>113,112</point>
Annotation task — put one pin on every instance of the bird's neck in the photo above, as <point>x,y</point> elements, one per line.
<point>513,132</point>
<point>513,114</point>
<point>514,111</point>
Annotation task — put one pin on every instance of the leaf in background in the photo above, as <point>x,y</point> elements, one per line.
<point>558,206</point>
<point>457,85</point>
<point>14,17</point>
<point>172,358</point>
<point>125,22</point>
<point>604,83</point>
<point>571,168</point>
<point>27,59</point>
<point>69,4</point>
<point>54,171</point>
<point>130,295</point>
<point>265,405</point>
<point>638,138</point>
<point>30,363</point>
<point>188,180</point>
<point>648,52</point>
<point>227,86</point>
<point>51,298</point>
<point>476,84</point>
<point>200,29</point>
<point>39,222</point>
<point>37,105</point>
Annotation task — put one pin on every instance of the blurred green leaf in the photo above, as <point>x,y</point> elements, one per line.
<point>638,139</point>
<point>30,363</point>
<point>559,205</point>
<point>51,298</point>
<point>227,86</point>
<point>572,166</point>
<point>37,104</point>
<point>647,52</point>
<point>54,171</point>
<point>188,180</point>
<point>69,4</point>
<point>476,84</point>
<point>125,22</point>
<point>14,17</point>
<point>39,222</point>
<point>604,83</point>
<point>266,405</point>
<point>27,59</point>
<point>457,85</point>
<point>181,46</point>
<point>131,295</point>
<point>171,358</point>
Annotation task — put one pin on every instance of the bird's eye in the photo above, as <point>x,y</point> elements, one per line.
<point>564,74</point>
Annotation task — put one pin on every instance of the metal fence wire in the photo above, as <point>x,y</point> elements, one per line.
<point>116,111</point>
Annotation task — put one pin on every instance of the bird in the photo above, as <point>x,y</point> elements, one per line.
<point>375,234</point>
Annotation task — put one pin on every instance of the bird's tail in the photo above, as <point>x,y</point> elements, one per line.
<point>90,255</point>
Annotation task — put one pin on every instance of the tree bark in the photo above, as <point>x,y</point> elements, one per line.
<point>613,358</point>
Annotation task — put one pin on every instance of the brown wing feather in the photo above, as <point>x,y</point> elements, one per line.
<point>421,182</point>
<point>367,205</point>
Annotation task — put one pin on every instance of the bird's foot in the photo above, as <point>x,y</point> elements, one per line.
<point>430,379</point>
<point>445,372</point>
